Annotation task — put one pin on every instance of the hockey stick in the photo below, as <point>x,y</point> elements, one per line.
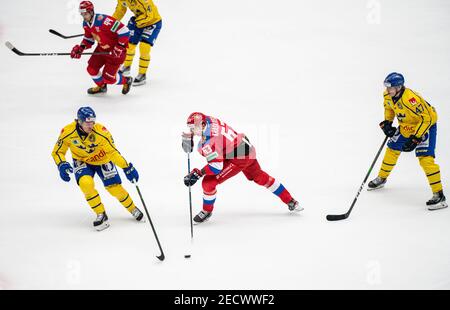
<point>63,36</point>
<point>338,217</point>
<point>16,51</point>
<point>160,257</point>
<point>190,206</point>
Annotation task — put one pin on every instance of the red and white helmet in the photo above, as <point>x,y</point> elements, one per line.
<point>195,121</point>
<point>86,6</point>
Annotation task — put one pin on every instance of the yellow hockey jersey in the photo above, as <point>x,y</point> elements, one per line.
<point>414,114</point>
<point>97,148</point>
<point>145,11</point>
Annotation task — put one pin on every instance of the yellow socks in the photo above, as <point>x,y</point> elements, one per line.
<point>130,55</point>
<point>86,184</point>
<point>122,195</point>
<point>432,172</point>
<point>144,59</point>
<point>389,161</point>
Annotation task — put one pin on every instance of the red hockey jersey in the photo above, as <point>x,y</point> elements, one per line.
<point>107,31</point>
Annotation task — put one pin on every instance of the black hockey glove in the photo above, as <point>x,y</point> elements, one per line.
<point>193,177</point>
<point>387,128</point>
<point>411,144</point>
<point>187,142</point>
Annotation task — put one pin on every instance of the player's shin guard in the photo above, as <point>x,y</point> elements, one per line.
<point>98,78</point>
<point>130,55</point>
<point>432,172</point>
<point>389,161</point>
<point>208,201</point>
<point>86,184</point>
<point>144,59</point>
<point>122,195</point>
<point>278,189</point>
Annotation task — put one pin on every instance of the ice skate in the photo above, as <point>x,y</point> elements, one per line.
<point>138,215</point>
<point>101,222</point>
<point>437,202</point>
<point>97,90</point>
<point>376,183</point>
<point>202,217</point>
<point>125,71</point>
<point>139,80</point>
<point>293,205</point>
<point>126,87</point>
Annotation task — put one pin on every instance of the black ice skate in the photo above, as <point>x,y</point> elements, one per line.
<point>293,205</point>
<point>101,222</point>
<point>139,80</point>
<point>126,87</point>
<point>97,90</point>
<point>202,217</point>
<point>437,202</point>
<point>138,215</point>
<point>376,183</point>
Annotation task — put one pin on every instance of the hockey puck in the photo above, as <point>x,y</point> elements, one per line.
<point>187,256</point>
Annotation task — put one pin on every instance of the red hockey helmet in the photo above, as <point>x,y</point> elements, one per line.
<point>195,122</point>
<point>86,6</point>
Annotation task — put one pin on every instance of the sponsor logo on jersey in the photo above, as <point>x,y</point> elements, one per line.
<point>62,130</point>
<point>408,128</point>
<point>206,150</point>
<point>97,157</point>
<point>412,101</point>
<point>104,129</point>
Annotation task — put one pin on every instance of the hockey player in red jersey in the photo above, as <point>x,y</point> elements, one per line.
<point>227,153</point>
<point>112,37</point>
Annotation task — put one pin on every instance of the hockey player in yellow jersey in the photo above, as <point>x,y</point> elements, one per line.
<point>93,152</point>
<point>144,27</point>
<point>417,131</point>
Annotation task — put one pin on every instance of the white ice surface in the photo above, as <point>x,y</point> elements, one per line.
<point>303,79</point>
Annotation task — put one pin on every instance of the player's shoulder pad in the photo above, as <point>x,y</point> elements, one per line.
<point>101,129</point>
<point>68,129</point>
<point>410,97</point>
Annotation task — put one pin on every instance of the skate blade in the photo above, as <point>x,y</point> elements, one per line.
<point>298,209</point>
<point>374,189</point>
<point>139,83</point>
<point>101,227</point>
<point>441,205</point>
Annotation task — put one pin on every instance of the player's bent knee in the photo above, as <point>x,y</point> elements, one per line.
<point>116,190</point>
<point>86,183</point>
<point>92,71</point>
<point>261,178</point>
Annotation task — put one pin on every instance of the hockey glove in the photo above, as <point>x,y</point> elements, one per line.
<point>187,142</point>
<point>64,169</point>
<point>77,50</point>
<point>118,54</point>
<point>411,144</point>
<point>193,177</point>
<point>387,128</point>
<point>131,173</point>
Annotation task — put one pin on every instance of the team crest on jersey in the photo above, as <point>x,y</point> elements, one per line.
<point>412,101</point>
<point>401,117</point>
<point>400,106</point>
<point>92,138</point>
<point>76,142</point>
<point>100,17</point>
<point>419,109</point>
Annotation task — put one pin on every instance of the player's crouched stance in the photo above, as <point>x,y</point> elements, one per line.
<point>93,152</point>
<point>417,131</point>
<point>112,37</point>
<point>227,154</point>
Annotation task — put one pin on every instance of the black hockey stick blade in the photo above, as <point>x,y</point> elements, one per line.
<point>56,33</point>
<point>12,48</point>
<point>337,217</point>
